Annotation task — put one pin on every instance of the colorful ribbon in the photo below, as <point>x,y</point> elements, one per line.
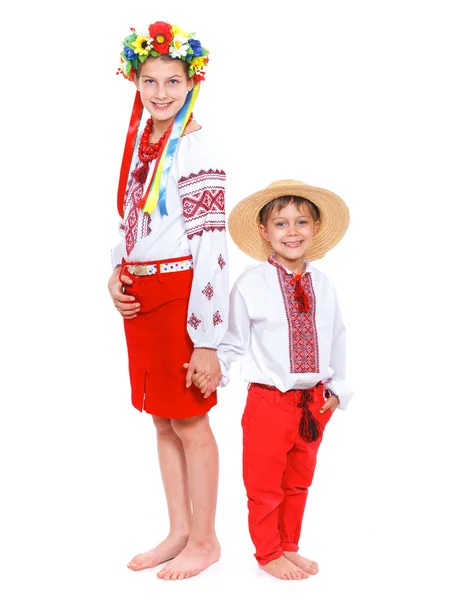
<point>157,189</point>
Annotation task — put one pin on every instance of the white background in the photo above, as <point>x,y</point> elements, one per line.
<point>351,96</point>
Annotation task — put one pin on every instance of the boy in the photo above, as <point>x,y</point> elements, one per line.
<point>286,325</point>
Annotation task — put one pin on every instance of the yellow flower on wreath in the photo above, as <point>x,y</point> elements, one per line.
<point>198,63</point>
<point>175,30</point>
<point>141,45</point>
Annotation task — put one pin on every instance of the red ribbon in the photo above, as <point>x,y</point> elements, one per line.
<point>129,146</point>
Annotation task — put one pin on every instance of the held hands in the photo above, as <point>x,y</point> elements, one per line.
<point>126,305</point>
<point>203,370</point>
<point>331,403</point>
<point>201,380</point>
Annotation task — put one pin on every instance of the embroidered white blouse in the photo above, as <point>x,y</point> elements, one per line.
<point>195,225</point>
<point>278,345</point>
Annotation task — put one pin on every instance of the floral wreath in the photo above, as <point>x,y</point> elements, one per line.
<point>163,38</point>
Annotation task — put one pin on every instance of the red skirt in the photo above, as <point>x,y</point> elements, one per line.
<point>158,345</point>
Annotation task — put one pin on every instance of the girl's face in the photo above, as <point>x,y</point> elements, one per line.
<point>163,87</point>
<point>290,232</point>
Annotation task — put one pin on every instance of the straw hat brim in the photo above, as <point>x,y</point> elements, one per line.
<point>244,218</point>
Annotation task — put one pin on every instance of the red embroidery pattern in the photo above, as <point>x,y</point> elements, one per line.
<point>146,225</point>
<point>193,321</point>
<point>216,318</point>
<point>208,291</point>
<point>302,333</point>
<point>200,231</point>
<point>208,201</point>
<point>134,194</point>
<point>212,174</point>
<point>203,201</point>
<point>221,261</point>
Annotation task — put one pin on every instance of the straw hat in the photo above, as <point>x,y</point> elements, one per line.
<point>244,218</point>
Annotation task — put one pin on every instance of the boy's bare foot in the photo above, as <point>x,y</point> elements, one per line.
<point>166,550</point>
<point>191,561</point>
<point>284,569</point>
<point>309,566</point>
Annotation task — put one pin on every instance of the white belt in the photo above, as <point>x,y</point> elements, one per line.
<point>151,269</point>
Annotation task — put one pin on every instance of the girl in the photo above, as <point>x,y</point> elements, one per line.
<point>170,283</point>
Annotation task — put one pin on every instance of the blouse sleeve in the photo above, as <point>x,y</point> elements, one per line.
<point>203,202</point>
<point>337,383</point>
<point>236,342</point>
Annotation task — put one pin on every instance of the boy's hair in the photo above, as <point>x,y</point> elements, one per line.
<point>279,203</point>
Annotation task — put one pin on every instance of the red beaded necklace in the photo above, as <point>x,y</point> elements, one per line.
<point>148,152</point>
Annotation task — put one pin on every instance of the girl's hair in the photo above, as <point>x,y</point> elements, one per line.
<point>282,201</point>
<point>167,58</point>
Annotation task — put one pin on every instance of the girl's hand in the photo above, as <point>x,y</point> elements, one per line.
<point>125,304</point>
<point>204,359</point>
<point>331,403</point>
<point>200,380</point>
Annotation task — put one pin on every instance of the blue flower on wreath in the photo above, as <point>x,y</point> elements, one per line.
<point>196,47</point>
<point>129,53</point>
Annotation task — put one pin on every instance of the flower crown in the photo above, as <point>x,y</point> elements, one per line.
<point>163,39</point>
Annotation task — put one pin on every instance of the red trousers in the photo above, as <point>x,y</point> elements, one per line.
<point>278,464</point>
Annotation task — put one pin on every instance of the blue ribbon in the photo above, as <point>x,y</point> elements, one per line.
<point>172,146</point>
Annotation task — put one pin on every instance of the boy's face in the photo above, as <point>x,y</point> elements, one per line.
<point>290,232</point>
<point>163,87</point>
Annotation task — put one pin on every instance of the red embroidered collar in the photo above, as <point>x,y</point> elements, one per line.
<point>277,265</point>
<point>300,295</point>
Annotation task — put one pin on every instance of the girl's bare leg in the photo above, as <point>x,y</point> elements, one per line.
<point>173,468</point>
<point>202,459</point>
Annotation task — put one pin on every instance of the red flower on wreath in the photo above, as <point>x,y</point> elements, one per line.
<point>161,34</point>
<point>132,75</point>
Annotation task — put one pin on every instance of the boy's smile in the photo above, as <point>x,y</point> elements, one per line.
<point>290,232</point>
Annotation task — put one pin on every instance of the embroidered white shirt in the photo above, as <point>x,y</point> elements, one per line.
<point>195,225</point>
<point>277,344</point>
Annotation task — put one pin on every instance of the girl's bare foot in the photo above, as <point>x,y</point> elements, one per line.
<point>309,566</point>
<point>191,561</point>
<point>284,569</point>
<point>166,550</point>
